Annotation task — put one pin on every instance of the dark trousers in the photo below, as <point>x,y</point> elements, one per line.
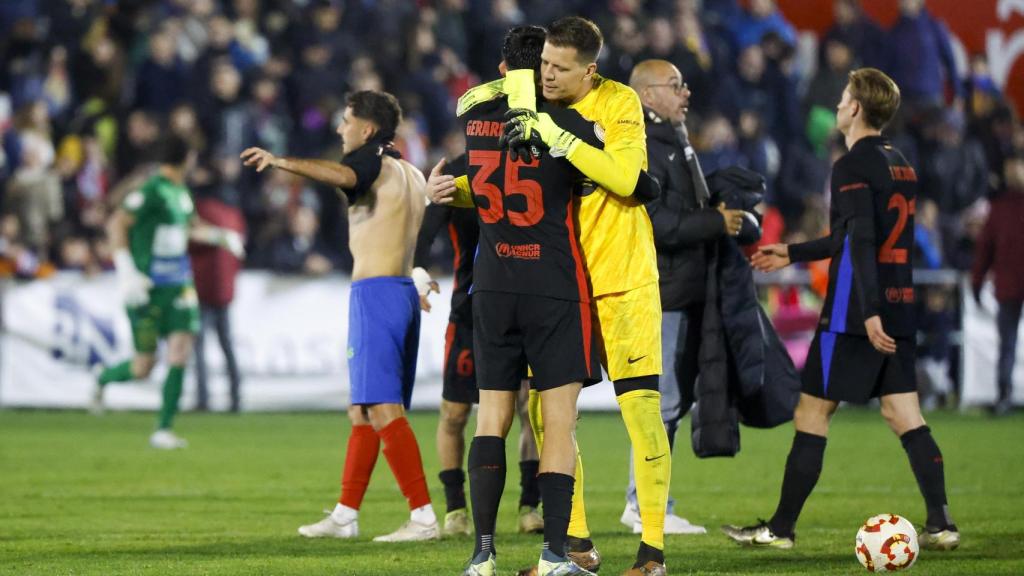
<point>218,317</point>
<point>1007,320</point>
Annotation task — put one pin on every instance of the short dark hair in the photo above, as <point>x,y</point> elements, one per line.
<point>522,47</point>
<point>380,108</point>
<point>174,150</point>
<point>579,33</point>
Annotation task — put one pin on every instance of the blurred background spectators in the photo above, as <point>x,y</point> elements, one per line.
<point>89,86</point>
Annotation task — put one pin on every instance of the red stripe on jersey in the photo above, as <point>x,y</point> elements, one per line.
<point>454,235</point>
<point>849,187</point>
<point>449,339</point>
<point>581,283</point>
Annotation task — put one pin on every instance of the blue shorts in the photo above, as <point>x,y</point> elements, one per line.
<point>383,339</point>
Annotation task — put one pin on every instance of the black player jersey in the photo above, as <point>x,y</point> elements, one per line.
<point>463,230</point>
<point>528,231</point>
<point>871,244</point>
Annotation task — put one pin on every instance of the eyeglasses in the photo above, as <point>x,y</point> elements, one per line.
<point>677,88</point>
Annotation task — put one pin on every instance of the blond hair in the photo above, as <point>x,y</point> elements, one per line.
<point>877,94</point>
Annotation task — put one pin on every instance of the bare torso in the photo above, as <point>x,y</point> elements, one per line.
<point>383,225</point>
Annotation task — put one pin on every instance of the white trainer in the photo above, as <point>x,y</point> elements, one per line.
<point>630,516</point>
<point>167,440</point>
<point>675,525</point>
<point>412,531</point>
<point>96,407</point>
<point>331,528</point>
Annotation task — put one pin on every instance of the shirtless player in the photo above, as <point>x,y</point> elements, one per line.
<point>386,203</point>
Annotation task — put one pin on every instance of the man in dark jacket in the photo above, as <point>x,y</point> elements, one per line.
<point>683,225</point>
<point>1000,249</point>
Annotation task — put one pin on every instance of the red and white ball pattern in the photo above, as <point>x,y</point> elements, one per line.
<point>887,543</point>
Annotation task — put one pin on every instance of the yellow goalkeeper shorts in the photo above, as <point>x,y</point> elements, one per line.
<point>631,332</point>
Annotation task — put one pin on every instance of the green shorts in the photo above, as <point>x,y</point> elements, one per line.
<point>170,309</point>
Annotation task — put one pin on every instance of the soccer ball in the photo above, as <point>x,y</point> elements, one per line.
<point>887,543</point>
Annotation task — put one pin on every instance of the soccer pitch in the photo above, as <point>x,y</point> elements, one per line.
<point>86,495</point>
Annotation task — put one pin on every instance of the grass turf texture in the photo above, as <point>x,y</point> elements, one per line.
<point>85,495</point>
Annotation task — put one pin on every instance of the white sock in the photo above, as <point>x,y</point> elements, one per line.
<point>424,515</point>
<point>343,514</point>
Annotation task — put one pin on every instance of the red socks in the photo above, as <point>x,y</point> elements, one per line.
<point>360,458</point>
<point>403,455</point>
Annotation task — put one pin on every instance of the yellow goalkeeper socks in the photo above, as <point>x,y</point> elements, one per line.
<point>578,517</point>
<point>652,460</point>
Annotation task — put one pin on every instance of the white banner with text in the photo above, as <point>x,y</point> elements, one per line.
<point>289,335</point>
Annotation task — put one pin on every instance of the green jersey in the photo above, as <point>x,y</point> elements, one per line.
<point>158,240</point>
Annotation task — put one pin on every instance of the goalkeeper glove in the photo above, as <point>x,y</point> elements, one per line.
<point>521,87</point>
<point>519,136</point>
<point>133,284</point>
<point>560,142</point>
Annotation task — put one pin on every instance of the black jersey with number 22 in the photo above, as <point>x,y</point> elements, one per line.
<point>874,193</point>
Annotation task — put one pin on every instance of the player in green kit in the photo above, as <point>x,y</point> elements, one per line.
<point>149,235</point>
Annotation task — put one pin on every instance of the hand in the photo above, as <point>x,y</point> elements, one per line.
<point>733,219</point>
<point>316,265</point>
<point>232,242</point>
<point>519,136</point>
<point>771,257</point>
<point>560,142</point>
<point>133,284</point>
<point>424,286</point>
<point>440,187</point>
<point>258,157</point>
<point>879,339</point>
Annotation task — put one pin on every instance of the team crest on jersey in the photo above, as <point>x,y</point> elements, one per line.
<point>599,131</point>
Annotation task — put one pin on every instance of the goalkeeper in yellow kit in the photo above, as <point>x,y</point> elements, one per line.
<point>618,246</point>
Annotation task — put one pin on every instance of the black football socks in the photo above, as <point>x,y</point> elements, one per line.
<point>530,494</point>
<point>556,493</point>
<point>803,467</point>
<point>454,482</point>
<point>926,462</point>
<point>486,483</point>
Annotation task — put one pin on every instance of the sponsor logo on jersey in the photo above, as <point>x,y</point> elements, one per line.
<point>518,251</point>
<point>899,295</point>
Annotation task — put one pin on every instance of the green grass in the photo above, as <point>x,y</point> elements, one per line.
<point>85,495</point>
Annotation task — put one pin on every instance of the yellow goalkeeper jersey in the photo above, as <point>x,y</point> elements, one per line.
<point>615,230</point>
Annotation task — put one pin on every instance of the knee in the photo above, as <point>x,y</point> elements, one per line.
<point>811,421</point>
<point>454,417</point>
<point>901,421</point>
<point>494,423</point>
<point>380,415</point>
<point>179,350</point>
<point>356,415</point>
<point>142,366</point>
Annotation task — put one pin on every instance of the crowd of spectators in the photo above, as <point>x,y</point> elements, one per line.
<point>89,87</point>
